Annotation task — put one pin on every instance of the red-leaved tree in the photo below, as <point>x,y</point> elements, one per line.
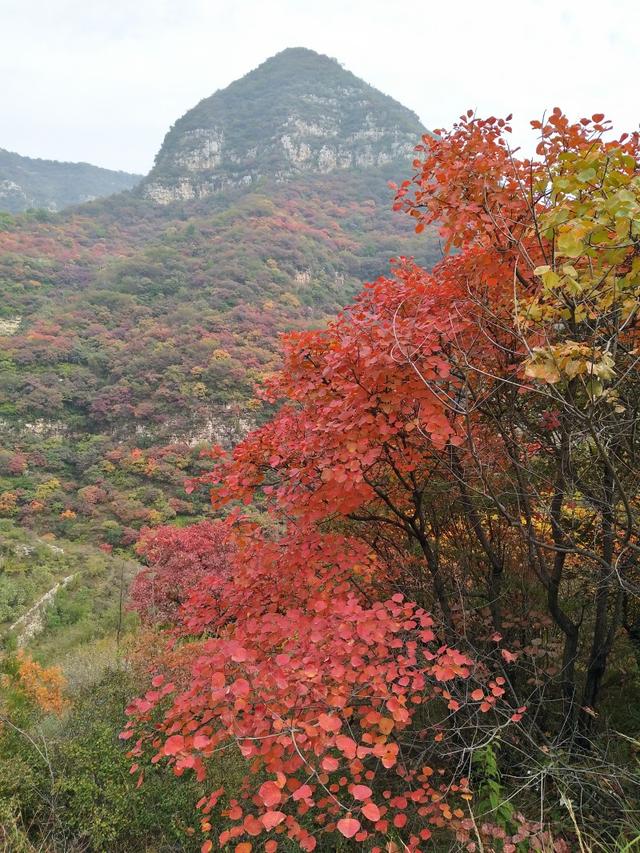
<point>451,486</point>
<point>179,560</point>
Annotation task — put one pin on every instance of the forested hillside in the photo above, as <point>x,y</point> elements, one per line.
<point>298,113</point>
<point>26,182</point>
<point>132,333</point>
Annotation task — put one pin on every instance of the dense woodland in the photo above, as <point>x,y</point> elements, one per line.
<point>135,334</point>
<point>397,608</point>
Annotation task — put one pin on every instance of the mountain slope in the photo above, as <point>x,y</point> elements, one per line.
<point>296,113</point>
<point>33,183</point>
<point>133,332</point>
<point>56,597</point>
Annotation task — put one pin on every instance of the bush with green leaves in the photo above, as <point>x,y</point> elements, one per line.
<point>65,784</point>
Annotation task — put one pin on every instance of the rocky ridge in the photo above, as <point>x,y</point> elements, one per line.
<point>299,112</point>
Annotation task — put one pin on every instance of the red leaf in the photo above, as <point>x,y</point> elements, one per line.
<point>173,745</point>
<point>371,811</point>
<point>302,793</point>
<point>201,741</point>
<point>347,746</point>
<point>348,826</point>
<point>270,794</point>
<point>329,724</point>
<point>360,792</point>
<point>271,819</point>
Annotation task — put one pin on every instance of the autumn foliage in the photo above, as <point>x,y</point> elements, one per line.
<point>42,687</point>
<point>451,496</point>
<point>131,331</point>
<point>179,561</point>
<point>317,681</point>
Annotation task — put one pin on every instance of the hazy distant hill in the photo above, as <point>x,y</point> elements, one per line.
<point>29,183</point>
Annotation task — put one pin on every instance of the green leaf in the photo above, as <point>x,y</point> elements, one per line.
<point>570,245</point>
<point>551,279</point>
<point>587,175</point>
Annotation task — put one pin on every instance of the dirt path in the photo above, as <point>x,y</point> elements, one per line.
<point>32,622</point>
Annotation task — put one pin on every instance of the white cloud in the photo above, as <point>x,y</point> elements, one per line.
<point>102,80</point>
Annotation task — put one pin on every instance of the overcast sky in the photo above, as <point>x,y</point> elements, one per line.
<point>102,80</point>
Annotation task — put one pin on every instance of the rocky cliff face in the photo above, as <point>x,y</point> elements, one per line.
<point>298,112</point>
<point>31,183</point>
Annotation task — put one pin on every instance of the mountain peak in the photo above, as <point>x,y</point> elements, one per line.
<point>297,112</point>
<point>302,55</point>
